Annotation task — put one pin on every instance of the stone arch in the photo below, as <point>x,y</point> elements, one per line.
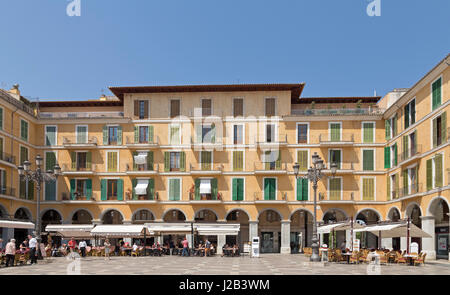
<point>272,209</point>
<point>3,212</point>
<point>138,211</point>
<point>240,209</point>
<point>410,207</point>
<point>300,209</point>
<point>43,212</point>
<point>22,211</point>
<point>166,212</point>
<point>106,214</point>
<point>433,204</point>
<point>393,210</point>
<point>78,214</point>
<point>334,210</point>
<point>208,217</point>
<point>370,210</point>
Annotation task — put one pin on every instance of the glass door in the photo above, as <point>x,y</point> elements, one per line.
<point>267,242</point>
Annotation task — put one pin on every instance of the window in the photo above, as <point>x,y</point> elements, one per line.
<point>111,189</point>
<point>394,186</point>
<point>238,134</point>
<point>81,189</point>
<point>368,160</point>
<point>3,189</point>
<point>270,107</point>
<point>206,160</point>
<point>410,181</point>
<point>1,118</point>
<point>206,107</point>
<point>410,113</point>
<point>175,108</point>
<point>270,188</point>
<point>206,189</point>
<point>368,132</point>
<point>142,160</point>
<point>26,188</point>
<point>391,127</point>
<point>238,107</point>
<point>143,189</point>
<point>112,135</point>
<point>174,161</point>
<point>302,133</point>
<point>81,161</point>
<point>270,133</point>
<point>143,134</point>
<point>82,134</point>
<point>335,188</point>
<point>23,155</point>
<point>368,189</point>
<point>302,160</point>
<point>141,109</point>
<point>436,93</point>
<point>50,186</point>
<point>24,130</point>
<point>435,172</point>
<point>302,189</point>
<point>394,155</point>
<point>272,159</point>
<point>335,156</point>
<point>175,135</point>
<point>439,125</point>
<point>335,132</point>
<point>174,189</point>
<point>50,135</point>
<point>238,189</point>
<point>113,160</point>
<point>238,160</point>
<point>207,134</point>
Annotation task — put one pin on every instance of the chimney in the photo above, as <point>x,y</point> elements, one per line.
<point>15,92</point>
<point>103,97</point>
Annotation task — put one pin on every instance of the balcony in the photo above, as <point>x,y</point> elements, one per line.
<point>144,169</point>
<point>78,170</point>
<point>343,196</point>
<point>206,169</point>
<point>4,157</point>
<point>72,142</point>
<point>80,115</point>
<point>411,154</point>
<point>345,139</point>
<point>269,168</point>
<point>132,144</point>
<point>206,142</point>
<point>410,190</point>
<point>7,191</point>
<point>268,143</point>
<point>338,112</point>
<point>261,197</point>
<point>342,168</point>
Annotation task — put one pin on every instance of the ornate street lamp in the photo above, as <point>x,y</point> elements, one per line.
<point>38,176</point>
<point>314,174</point>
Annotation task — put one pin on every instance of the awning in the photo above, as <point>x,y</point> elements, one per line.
<point>16,224</point>
<point>141,187</point>
<point>70,230</point>
<point>140,159</point>
<point>395,230</point>
<point>169,228</point>
<point>205,186</point>
<point>325,229</point>
<point>218,229</point>
<point>120,230</point>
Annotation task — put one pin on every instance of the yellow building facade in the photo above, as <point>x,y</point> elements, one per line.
<point>225,153</point>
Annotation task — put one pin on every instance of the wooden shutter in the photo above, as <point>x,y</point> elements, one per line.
<point>182,161</point>
<point>146,109</point>
<point>133,190</point>
<point>136,108</point>
<point>368,132</point>
<point>73,158</point>
<point>238,108</point>
<point>406,116</point>
<point>89,160</point>
<point>240,189</point>
<point>176,188</point>
<point>119,135</point>
<point>103,187</point>
<point>429,174</point>
<point>368,162</point>
<point>105,135</point>
<point>394,125</point>
<point>133,154</point>
<point>405,147</point>
<point>1,118</point>
<point>388,187</point>
<point>302,189</point>
<point>214,189</point>
<point>270,107</point>
<point>150,134</point>
<point>166,161</point>
<point>72,189</point>
<point>438,170</point>
<point>395,155</point>
<point>335,130</point>
<point>151,189</point>
<point>174,108</point>
<point>444,127</point>
<point>335,188</point>
<point>88,189</point>
<point>136,134</point>
<point>278,161</point>
<point>368,189</point>
<point>405,182</point>
<point>197,188</point>
<point>120,189</point>
<point>387,126</point>
<point>302,158</point>
<point>150,161</point>
<point>234,189</point>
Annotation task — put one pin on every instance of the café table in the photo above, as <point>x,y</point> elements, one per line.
<point>347,256</point>
<point>410,258</point>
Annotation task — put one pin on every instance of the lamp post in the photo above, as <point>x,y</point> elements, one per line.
<point>38,176</point>
<point>314,174</point>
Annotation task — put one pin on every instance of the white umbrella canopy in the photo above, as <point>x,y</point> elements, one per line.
<point>395,230</point>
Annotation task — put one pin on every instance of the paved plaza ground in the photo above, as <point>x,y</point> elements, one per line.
<point>267,264</point>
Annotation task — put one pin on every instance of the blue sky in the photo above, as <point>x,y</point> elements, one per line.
<point>333,46</point>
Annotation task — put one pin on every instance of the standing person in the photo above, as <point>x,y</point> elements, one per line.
<point>185,247</point>
<point>207,247</point>
<point>171,246</point>
<point>107,245</point>
<point>72,244</point>
<point>10,252</point>
<point>32,243</point>
<point>82,246</point>
<point>1,244</point>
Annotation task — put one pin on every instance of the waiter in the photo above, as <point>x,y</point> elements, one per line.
<point>32,243</point>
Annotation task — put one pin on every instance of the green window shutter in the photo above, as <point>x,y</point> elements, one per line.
<point>405,182</point>
<point>134,153</point>
<point>335,130</point>
<point>438,170</point>
<point>73,158</point>
<point>269,189</point>
<point>31,190</point>
<point>238,160</point>
<point>368,162</point>
<point>197,189</point>
<point>110,161</point>
<point>151,189</point>
<point>150,161</point>
<point>240,189</point>
<point>89,160</point>
<point>396,185</point>
<point>171,189</point>
<point>50,160</point>
<point>133,186</point>
<point>136,134</point>
<point>103,186</point>
<point>388,187</point>
<point>1,118</point>
<point>120,189</point>
<point>182,161</point>
<point>335,188</point>
<point>436,94</point>
<point>278,161</point>
<point>72,189</point>
<point>1,148</point>
<point>368,132</point>
<point>406,116</point>
<point>302,158</point>
<point>429,174</point>
<point>435,132</point>
<point>150,134</point>
<point>119,135</point>
<point>105,135</point>
<point>213,133</point>
<point>302,189</point>
<point>176,189</point>
<point>405,146</point>
<point>444,127</point>
<point>234,189</point>
<point>387,126</point>
<point>367,187</point>
<point>199,133</point>
<point>395,126</point>
<point>166,161</point>
<point>413,111</point>
<point>88,189</point>
<point>395,155</point>
<point>214,188</point>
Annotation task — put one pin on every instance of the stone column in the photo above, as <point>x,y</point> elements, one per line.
<point>403,243</point>
<point>428,244</point>
<point>253,230</point>
<point>8,233</point>
<point>285,237</point>
<point>348,239</point>
<point>386,243</point>
<point>221,240</point>
<point>96,222</point>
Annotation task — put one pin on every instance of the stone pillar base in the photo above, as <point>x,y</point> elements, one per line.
<point>431,255</point>
<point>285,250</point>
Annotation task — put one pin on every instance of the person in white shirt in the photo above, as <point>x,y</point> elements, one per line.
<point>32,242</point>
<point>83,246</point>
